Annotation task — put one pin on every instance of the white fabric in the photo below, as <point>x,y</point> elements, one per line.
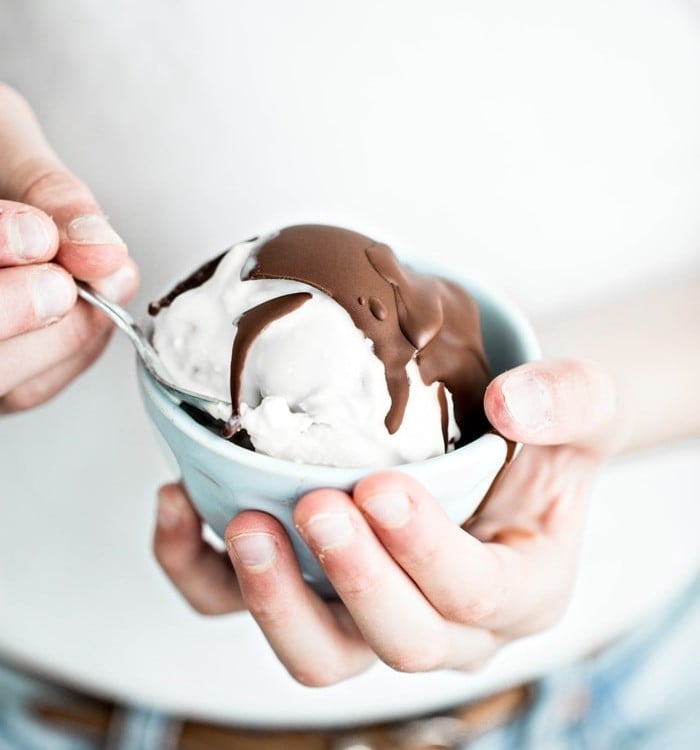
<point>551,148</point>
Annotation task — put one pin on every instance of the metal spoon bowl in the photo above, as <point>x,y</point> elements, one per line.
<point>149,356</point>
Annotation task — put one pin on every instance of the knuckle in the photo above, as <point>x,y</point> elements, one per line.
<point>161,555</point>
<point>170,559</point>
<point>81,327</point>
<point>430,655</point>
<point>11,404</point>
<point>480,652</point>
<point>316,676</point>
<point>24,397</point>
<point>358,584</point>
<point>208,609</point>
<point>485,597</point>
<point>421,556</point>
<point>268,613</point>
<point>79,331</point>
<point>50,184</point>
<point>472,611</point>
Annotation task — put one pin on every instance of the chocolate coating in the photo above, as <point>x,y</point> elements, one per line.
<point>250,325</point>
<point>405,314</point>
<point>195,279</point>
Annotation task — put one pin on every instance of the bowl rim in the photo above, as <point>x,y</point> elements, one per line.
<point>232,452</point>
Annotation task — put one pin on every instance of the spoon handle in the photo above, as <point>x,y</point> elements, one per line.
<point>121,318</point>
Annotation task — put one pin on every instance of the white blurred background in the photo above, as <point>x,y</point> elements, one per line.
<point>550,147</point>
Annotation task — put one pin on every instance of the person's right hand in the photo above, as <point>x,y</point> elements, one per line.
<point>51,230</point>
<point>415,589</point>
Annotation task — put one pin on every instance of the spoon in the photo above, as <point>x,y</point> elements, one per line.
<point>150,357</point>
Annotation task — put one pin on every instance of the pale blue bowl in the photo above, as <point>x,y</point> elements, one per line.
<point>223,479</point>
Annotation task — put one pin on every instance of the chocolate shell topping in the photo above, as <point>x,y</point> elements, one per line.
<point>195,279</point>
<point>405,314</point>
<point>249,326</point>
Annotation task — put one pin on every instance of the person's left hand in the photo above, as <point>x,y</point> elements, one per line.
<point>416,590</point>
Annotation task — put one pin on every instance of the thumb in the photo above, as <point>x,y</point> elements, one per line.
<point>552,402</point>
<point>31,173</point>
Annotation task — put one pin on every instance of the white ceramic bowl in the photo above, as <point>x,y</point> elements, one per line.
<point>223,479</point>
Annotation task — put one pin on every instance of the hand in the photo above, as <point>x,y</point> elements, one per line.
<point>51,229</point>
<point>416,590</point>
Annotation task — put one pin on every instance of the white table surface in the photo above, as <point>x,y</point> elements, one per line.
<point>82,599</point>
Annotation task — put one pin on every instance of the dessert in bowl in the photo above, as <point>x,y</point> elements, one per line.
<point>336,360</point>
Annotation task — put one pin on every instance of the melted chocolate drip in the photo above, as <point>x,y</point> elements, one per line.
<point>406,315</point>
<point>444,415</point>
<point>202,274</point>
<point>240,437</point>
<point>252,323</point>
<point>442,322</point>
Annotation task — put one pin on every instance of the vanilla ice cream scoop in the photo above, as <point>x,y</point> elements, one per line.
<point>328,349</point>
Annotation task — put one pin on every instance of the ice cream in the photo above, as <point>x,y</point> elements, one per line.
<point>328,349</point>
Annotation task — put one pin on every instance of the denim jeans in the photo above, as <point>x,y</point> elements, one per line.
<point>642,693</point>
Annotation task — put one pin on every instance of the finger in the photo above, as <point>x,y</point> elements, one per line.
<point>504,586</point>
<point>120,286</point>
<point>90,248</point>
<point>554,402</point>
<point>33,174</point>
<point>542,484</point>
<point>548,545</point>
<point>45,386</point>
<point>395,618</point>
<point>313,644</point>
<point>31,354</point>
<point>33,297</point>
<point>27,235</point>
<point>466,581</point>
<point>201,574</point>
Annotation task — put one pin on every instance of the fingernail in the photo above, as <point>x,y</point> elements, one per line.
<point>53,294</point>
<point>168,514</point>
<point>528,400</point>
<point>28,236</point>
<point>389,509</point>
<point>329,530</point>
<point>119,285</point>
<point>254,550</point>
<point>92,230</point>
